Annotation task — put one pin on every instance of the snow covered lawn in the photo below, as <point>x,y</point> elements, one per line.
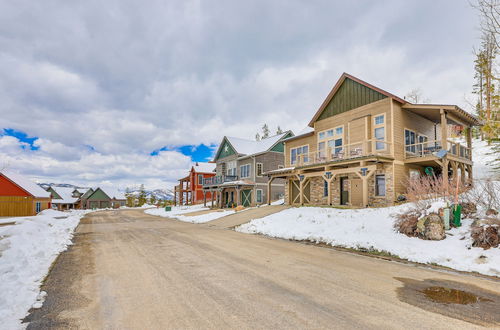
<point>178,212</point>
<point>373,229</point>
<point>27,250</point>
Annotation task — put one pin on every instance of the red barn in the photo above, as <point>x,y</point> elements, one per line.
<point>20,196</point>
<point>190,188</point>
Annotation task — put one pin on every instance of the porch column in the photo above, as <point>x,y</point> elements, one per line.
<point>444,173</point>
<point>444,130</point>
<point>175,196</point>
<point>469,140</point>
<point>471,178</point>
<point>454,167</point>
<point>204,198</point>
<point>462,173</point>
<point>301,191</point>
<point>269,190</point>
<point>212,195</point>
<point>237,195</point>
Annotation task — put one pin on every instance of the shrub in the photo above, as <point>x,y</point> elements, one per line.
<point>406,222</point>
<point>485,233</point>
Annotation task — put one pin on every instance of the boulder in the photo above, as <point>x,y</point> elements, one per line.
<point>485,233</point>
<point>491,212</point>
<point>469,209</point>
<point>431,227</point>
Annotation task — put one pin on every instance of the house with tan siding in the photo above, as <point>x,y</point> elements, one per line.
<point>363,144</point>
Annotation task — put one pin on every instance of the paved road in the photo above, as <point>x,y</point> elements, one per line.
<point>128,270</point>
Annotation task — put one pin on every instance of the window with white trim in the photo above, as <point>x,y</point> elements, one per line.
<point>38,207</point>
<point>258,196</point>
<point>296,152</point>
<point>245,171</point>
<point>231,168</point>
<point>200,179</point>
<point>258,169</point>
<point>379,132</point>
<point>380,185</point>
<point>332,140</point>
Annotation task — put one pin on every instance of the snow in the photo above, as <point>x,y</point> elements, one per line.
<point>200,167</point>
<point>179,211</point>
<point>373,229</point>
<point>482,156</point>
<point>27,250</point>
<point>66,194</point>
<point>114,193</point>
<point>250,147</point>
<point>26,184</point>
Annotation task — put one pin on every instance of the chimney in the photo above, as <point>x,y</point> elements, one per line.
<point>197,164</point>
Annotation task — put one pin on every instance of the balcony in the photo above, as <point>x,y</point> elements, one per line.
<point>345,152</point>
<point>430,148</point>
<point>220,179</point>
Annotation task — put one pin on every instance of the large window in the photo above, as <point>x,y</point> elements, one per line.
<point>200,179</point>
<point>380,185</point>
<point>38,207</point>
<point>331,139</point>
<point>379,132</point>
<point>245,171</point>
<point>231,168</point>
<point>296,152</point>
<point>410,137</point>
<point>258,169</point>
<point>258,196</point>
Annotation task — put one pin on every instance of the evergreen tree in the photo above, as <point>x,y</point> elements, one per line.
<point>265,131</point>
<point>279,130</point>
<point>257,137</point>
<point>130,198</point>
<point>142,196</point>
<point>152,199</point>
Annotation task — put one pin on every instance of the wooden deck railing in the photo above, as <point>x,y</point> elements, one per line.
<point>429,148</point>
<point>344,152</point>
<point>220,179</point>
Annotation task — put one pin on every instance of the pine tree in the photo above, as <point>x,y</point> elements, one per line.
<point>265,131</point>
<point>130,198</point>
<point>279,130</point>
<point>142,196</point>
<point>257,137</point>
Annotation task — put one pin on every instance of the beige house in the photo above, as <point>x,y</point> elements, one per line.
<point>364,142</point>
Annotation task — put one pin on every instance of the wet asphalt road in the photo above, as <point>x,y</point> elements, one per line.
<point>128,270</point>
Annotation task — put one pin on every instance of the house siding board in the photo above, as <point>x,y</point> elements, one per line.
<point>99,195</point>
<point>223,153</point>
<point>350,95</point>
<point>7,188</point>
<point>55,195</point>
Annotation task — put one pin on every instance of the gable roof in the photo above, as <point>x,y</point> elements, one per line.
<point>339,83</point>
<point>204,167</point>
<point>25,184</point>
<point>113,193</point>
<point>66,195</point>
<point>244,147</point>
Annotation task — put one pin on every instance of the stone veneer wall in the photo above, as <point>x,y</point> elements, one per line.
<point>389,197</point>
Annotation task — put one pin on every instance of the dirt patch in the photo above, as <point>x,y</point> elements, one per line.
<point>195,213</point>
<point>454,299</point>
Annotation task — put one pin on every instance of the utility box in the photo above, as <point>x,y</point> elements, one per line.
<point>457,215</point>
<point>168,208</point>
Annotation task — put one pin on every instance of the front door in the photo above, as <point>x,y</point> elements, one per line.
<point>246,197</point>
<point>344,191</point>
<point>356,192</point>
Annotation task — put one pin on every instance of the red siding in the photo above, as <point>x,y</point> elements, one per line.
<point>197,190</point>
<point>7,188</point>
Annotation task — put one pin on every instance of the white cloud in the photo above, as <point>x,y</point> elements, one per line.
<point>127,78</point>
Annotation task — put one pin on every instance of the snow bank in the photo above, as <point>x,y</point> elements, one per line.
<point>373,229</point>
<point>27,250</point>
<point>483,155</point>
<point>178,211</point>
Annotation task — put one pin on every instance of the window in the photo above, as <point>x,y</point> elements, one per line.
<point>379,132</point>
<point>322,135</point>
<point>339,130</point>
<point>258,169</point>
<point>200,179</point>
<point>333,143</point>
<point>325,188</point>
<point>379,120</point>
<point>231,168</point>
<point>410,138</point>
<point>38,207</point>
<point>380,185</point>
<point>296,152</point>
<point>258,196</point>
<point>245,171</point>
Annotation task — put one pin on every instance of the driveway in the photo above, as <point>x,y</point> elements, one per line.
<point>129,270</point>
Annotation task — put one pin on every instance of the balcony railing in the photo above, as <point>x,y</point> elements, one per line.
<point>220,179</point>
<point>344,152</point>
<point>429,148</point>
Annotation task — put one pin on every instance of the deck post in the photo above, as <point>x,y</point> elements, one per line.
<point>269,190</point>
<point>204,198</point>
<point>237,195</point>
<point>469,141</point>
<point>301,192</point>
<point>444,130</point>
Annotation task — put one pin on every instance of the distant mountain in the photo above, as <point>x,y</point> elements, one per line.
<point>160,194</point>
<point>64,185</point>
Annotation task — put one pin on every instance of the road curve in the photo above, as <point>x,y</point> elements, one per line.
<point>129,270</point>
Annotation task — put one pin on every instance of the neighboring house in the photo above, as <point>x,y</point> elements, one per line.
<point>83,194</point>
<point>101,199</point>
<point>63,198</point>
<point>363,144</point>
<point>190,188</point>
<point>241,164</point>
<point>21,197</point>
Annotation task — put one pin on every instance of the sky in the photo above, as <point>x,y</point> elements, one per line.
<point>119,92</point>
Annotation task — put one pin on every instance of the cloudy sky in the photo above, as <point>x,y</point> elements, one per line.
<point>127,92</point>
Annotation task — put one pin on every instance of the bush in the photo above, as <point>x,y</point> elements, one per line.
<point>406,223</point>
<point>485,233</point>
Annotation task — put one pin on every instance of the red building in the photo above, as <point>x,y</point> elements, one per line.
<point>190,188</point>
